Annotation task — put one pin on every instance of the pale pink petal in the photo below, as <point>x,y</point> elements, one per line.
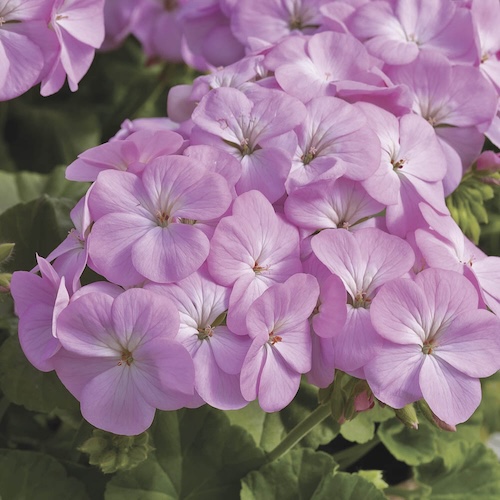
<point>332,313</point>
<point>110,246</point>
<point>471,344</point>
<point>229,350</point>
<point>278,383</point>
<point>218,388</point>
<point>357,342</point>
<point>85,325</point>
<point>35,336</point>
<point>251,370</point>
<point>112,401</point>
<point>162,368</point>
<point>323,362</point>
<point>451,395</point>
<point>168,254</point>
<point>397,312</point>
<point>393,374</point>
<point>138,316</point>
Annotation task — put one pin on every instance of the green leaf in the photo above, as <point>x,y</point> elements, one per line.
<point>298,475</point>
<point>411,446</point>
<point>24,385</point>
<point>268,429</point>
<point>38,226</point>
<point>490,404</point>
<point>43,133</point>
<point>375,477</point>
<point>199,455</point>
<point>362,428</point>
<point>475,475</point>
<point>344,486</point>
<point>26,475</point>
<point>21,187</point>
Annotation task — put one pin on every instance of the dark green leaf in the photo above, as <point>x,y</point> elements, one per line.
<point>23,384</point>
<point>411,446</point>
<point>44,133</point>
<point>362,428</point>
<point>38,226</point>
<point>21,187</point>
<point>344,486</point>
<point>199,455</point>
<point>475,475</point>
<point>26,475</point>
<point>268,429</point>
<point>297,475</point>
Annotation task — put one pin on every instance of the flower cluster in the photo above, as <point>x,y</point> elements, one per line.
<point>45,41</point>
<point>288,218</point>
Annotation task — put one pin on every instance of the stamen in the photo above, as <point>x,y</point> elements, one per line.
<point>429,347</point>
<point>258,269</point>
<point>399,163</point>
<point>361,300</point>
<point>126,358</point>
<point>274,339</point>
<point>309,156</point>
<point>245,146</point>
<point>163,218</point>
<point>205,333</point>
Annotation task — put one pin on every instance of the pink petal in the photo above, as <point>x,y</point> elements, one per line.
<point>471,344</point>
<point>167,254</point>
<point>163,370</point>
<point>251,370</point>
<point>36,339</point>
<point>111,244</point>
<point>229,350</point>
<point>85,327</point>
<point>217,388</point>
<point>400,312</point>
<point>113,402</point>
<point>138,316</point>
<point>451,395</point>
<point>393,374</point>
<point>278,383</point>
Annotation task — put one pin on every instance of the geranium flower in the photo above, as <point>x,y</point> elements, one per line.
<point>364,261</point>
<point>120,359</point>
<point>143,226</point>
<point>216,351</point>
<point>437,344</point>
<point>281,348</point>
<point>250,251</point>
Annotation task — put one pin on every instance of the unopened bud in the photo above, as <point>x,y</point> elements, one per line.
<point>5,282</point>
<point>433,419</point>
<point>6,250</point>
<point>408,416</point>
<point>112,453</point>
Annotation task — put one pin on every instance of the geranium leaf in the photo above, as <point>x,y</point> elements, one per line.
<point>199,455</point>
<point>413,447</point>
<point>35,227</point>
<point>26,474</point>
<point>268,429</point>
<point>24,385</point>
<point>475,474</point>
<point>297,475</point>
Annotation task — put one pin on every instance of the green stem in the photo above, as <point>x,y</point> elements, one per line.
<point>299,431</point>
<point>350,456</point>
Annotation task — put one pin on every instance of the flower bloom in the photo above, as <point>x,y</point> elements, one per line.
<point>437,344</point>
<point>120,359</point>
